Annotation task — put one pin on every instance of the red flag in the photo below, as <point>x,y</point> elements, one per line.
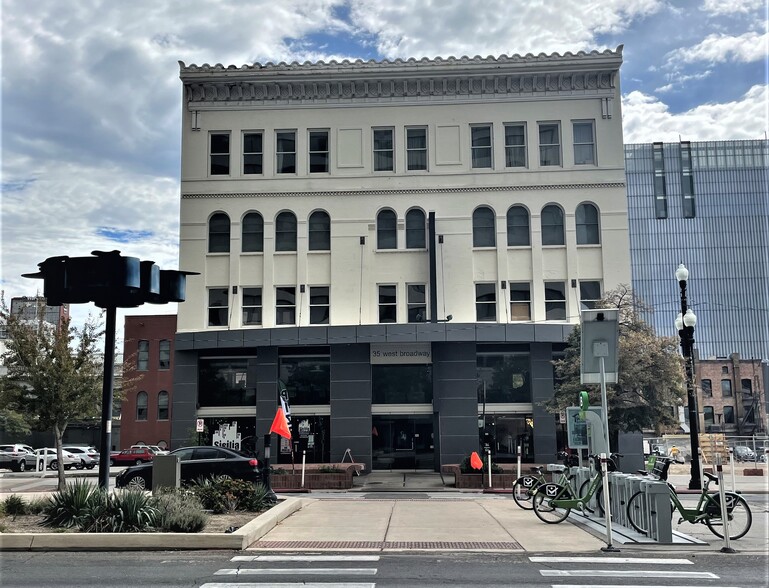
<point>280,424</point>
<point>475,461</point>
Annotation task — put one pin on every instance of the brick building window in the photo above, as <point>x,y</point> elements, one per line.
<point>164,354</point>
<point>143,356</point>
<point>141,406</point>
<point>707,387</point>
<point>163,405</point>
<point>726,387</point>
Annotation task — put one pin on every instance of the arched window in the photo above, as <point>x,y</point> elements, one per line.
<point>518,226</point>
<point>552,225</point>
<point>415,229</point>
<point>163,405</point>
<point>141,406</point>
<point>484,234</point>
<point>285,232</point>
<point>252,238</point>
<point>219,233</point>
<point>320,231</point>
<point>587,225</point>
<point>386,234</point>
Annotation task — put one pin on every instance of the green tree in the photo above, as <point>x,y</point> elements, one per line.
<point>651,378</point>
<point>54,374</point>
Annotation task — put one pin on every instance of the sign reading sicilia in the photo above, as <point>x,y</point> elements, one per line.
<point>401,353</point>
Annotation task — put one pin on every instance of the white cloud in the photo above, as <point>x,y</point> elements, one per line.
<point>722,48</point>
<point>646,119</point>
<point>729,7</point>
<point>679,80</point>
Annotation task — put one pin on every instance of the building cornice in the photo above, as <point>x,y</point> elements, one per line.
<point>405,192</point>
<point>450,79</point>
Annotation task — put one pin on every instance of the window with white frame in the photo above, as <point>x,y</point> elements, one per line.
<point>518,234</point>
<point>285,152</point>
<point>141,406</point>
<point>416,299</point>
<point>480,138</point>
<point>589,294</point>
<point>415,229</point>
<point>319,228</point>
<point>520,301</point>
<point>319,152</point>
<point>320,305</point>
<point>218,307</point>
<point>549,143</point>
<point>416,148</point>
<point>384,150</point>
<point>164,354</point>
<point>162,405</point>
<point>586,218</point>
<point>252,306</point>
<point>219,153</point>
<point>285,305</point>
<point>486,301</point>
<point>252,233</point>
<point>515,145</point>
<point>388,310</point>
<point>386,230</point>
<point>285,231</point>
<point>584,142</point>
<point>555,301</point>
<point>552,225</point>
<point>252,153</point>
<point>219,233</point>
<point>143,356</point>
<point>484,229</point>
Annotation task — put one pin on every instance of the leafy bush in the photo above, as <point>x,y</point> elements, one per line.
<point>329,469</point>
<point>38,505</point>
<point>67,507</point>
<point>466,468</point>
<point>129,511</point>
<point>179,512</point>
<point>220,495</point>
<point>15,505</point>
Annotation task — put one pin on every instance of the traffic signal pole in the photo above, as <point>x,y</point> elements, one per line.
<point>105,444</point>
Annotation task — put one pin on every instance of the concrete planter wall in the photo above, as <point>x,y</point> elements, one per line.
<point>752,472</point>
<point>314,480</point>
<point>500,481</point>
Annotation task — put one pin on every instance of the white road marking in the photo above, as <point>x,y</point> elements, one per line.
<point>305,558</point>
<point>611,560</point>
<point>298,571</point>
<point>623,586</point>
<point>289,585</point>
<point>627,574</point>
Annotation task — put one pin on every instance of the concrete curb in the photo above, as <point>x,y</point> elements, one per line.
<point>239,540</point>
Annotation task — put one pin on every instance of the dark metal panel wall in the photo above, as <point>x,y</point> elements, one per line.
<point>351,403</point>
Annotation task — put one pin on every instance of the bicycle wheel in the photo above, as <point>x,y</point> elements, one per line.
<point>583,491</point>
<point>636,513</point>
<point>523,491</point>
<point>739,516</point>
<point>543,503</point>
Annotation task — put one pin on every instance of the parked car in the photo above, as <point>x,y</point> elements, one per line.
<point>89,457</point>
<point>197,462</point>
<point>155,449</point>
<point>135,455</point>
<point>52,460</point>
<point>17,457</point>
<point>742,453</point>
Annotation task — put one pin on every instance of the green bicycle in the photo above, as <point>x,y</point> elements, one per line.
<point>524,487</point>
<point>707,511</point>
<point>553,502</point>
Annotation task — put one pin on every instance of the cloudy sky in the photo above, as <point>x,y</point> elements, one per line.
<point>91,98</point>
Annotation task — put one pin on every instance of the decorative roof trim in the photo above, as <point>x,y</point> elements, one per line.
<point>471,189</point>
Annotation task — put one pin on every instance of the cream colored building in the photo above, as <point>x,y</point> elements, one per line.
<point>340,213</point>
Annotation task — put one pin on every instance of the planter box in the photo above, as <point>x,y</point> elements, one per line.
<point>752,472</point>
<point>498,481</point>
<point>312,481</point>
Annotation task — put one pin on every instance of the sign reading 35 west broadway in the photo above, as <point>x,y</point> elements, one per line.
<point>401,353</point>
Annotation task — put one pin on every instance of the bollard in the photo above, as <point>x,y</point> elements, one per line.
<point>304,457</point>
<point>731,465</point>
<point>722,500</point>
<point>488,460</point>
<point>518,473</point>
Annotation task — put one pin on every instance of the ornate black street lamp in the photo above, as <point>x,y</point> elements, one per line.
<point>685,324</point>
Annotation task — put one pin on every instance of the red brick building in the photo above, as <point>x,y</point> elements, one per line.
<point>148,380</point>
<point>731,395</point>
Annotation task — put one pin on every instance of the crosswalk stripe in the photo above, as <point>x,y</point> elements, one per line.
<point>297,571</point>
<point>305,558</point>
<point>627,574</point>
<point>611,560</point>
<point>288,585</point>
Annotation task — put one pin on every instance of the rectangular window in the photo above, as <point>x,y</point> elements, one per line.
<point>384,150</point>
<point>660,193</point>
<point>707,413</point>
<point>387,304</point>
<point>319,305</point>
<point>584,143</point>
<point>687,180</point>
<point>486,301</point>
<point>164,354</point>
<point>416,148</point>
<point>520,301</point>
<point>515,145</point>
<point>589,294</point>
<point>218,307</point>
<point>747,386</point>
<point>416,299</point>
<point>549,144</point>
<point>285,305</point>
<point>319,151</point>
<point>728,415</point>
<point>222,382</point>
<point>252,153</point>
<point>480,137</point>
<point>143,356</point>
<point>726,387</point>
<point>252,306</point>
<point>220,154</point>
<point>707,387</point>
<point>555,301</point>
<point>285,151</point>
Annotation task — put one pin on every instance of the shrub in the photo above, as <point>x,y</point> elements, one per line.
<point>465,467</point>
<point>15,505</point>
<point>329,469</point>
<point>220,495</point>
<point>67,507</point>
<point>129,511</point>
<point>38,505</point>
<point>179,512</point>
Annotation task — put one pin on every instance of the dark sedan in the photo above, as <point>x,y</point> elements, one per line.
<point>197,462</point>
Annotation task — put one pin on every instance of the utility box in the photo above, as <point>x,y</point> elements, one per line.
<point>166,472</point>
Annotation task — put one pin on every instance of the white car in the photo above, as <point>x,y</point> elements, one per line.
<point>153,448</point>
<point>89,457</point>
<point>51,460</point>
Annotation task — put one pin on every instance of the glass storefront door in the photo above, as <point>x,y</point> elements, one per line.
<point>402,442</point>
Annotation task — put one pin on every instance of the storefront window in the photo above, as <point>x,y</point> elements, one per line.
<point>306,378</point>
<point>504,377</point>
<point>507,432</point>
<point>222,382</point>
<point>310,438</point>
<point>238,433</point>
<point>401,384</point>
